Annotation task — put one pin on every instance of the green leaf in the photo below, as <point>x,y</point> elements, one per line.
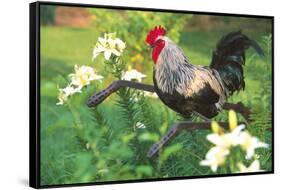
<point>170,151</point>
<point>144,170</point>
<point>149,137</point>
<point>128,137</point>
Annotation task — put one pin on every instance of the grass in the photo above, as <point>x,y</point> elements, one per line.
<point>105,150</point>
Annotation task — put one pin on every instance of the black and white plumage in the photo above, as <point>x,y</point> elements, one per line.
<point>188,88</point>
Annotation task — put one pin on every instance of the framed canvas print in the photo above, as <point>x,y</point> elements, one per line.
<point>121,94</point>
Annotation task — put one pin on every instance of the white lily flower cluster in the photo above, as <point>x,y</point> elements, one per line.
<point>65,93</point>
<point>82,77</point>
<point>223,142</point>
<point>109,45</point>
<point>132,75</point>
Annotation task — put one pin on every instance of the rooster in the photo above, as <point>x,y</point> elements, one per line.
<point>201,90</point>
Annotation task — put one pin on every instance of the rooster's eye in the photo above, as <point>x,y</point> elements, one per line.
<point>157,41</point>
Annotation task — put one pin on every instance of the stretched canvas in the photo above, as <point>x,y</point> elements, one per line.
<point>122,94</point>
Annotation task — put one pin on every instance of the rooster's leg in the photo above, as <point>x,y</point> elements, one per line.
<point>175,130</point>
<point>99,97</point>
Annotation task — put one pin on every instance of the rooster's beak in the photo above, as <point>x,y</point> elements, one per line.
<point>150,45</point>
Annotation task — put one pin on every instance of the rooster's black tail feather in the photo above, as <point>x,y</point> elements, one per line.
<point>229,57</point>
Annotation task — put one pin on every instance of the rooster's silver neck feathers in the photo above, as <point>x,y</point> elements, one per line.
<point>172,67</point>
<point>173,72</point>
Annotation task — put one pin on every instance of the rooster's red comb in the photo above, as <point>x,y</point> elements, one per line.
<point>154,33</point>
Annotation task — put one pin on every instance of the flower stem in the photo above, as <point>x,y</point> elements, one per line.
<point>75,115</point>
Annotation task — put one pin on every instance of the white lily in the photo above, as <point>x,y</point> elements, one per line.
<point>108,45</point>
<point>215,157</point>
<point>250,143</point>
<point>120,44</point>
<point>83,76</point>
<point>97,50</point>
<point>226,140</point>
<point>254,167</point>
<point>70,90</point>
<point>65,92</point>
<point>61,97</point>
<point>110,48</point>
<point>133,74</point>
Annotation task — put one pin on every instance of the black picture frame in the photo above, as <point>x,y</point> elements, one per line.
<point>34,92</point>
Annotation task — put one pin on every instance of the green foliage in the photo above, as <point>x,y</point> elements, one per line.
<point>47,14</point>
<point>79,144</point>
